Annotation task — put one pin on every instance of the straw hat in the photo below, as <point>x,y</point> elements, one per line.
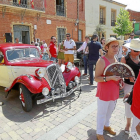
<point>134,45</point>
<point>109,40</point>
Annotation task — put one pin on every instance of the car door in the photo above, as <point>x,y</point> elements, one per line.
<point>4,74</point>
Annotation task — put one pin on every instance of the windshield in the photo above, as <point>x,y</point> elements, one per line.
<point>23,53</point>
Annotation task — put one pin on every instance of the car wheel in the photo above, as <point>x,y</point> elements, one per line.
<point>25,98</point>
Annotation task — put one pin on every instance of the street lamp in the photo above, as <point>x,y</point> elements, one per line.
<point>134,21</point>
<point>77,22</point>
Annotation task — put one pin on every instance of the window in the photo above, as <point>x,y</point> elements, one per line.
<point>102,15</point>
<point>22,54</point>
<point>20,3</point>
<point>80,35</point>
<point>61,33</point>
<point>113,17</point>
<point>60,8</point>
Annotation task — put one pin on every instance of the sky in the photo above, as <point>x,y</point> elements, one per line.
<point>131,4</point>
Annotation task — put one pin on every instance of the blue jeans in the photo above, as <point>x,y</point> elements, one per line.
<point>53,59</point>
<point>85,59</point>
<point>45,56</point>
<point>119,59</point>
<point>91,63</point>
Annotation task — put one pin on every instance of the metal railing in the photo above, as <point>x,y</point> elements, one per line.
<point>113,22</point>
<point>21,3</point>
<point>60,10</point>
<point>36,5</point>
<point>102,21</point>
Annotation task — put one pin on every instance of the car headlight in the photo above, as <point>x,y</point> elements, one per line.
<point>62,67</point>
<point>45,91</point>
<point>77,80</point>
<point>40,72</point>
<point>69,65</point>
<point>70,85</point>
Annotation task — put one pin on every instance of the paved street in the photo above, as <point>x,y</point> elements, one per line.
<point>71,118</point>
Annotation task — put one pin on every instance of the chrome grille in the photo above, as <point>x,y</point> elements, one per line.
<point>55,77</point>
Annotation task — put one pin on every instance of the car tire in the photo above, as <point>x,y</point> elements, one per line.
<point>25,98</point>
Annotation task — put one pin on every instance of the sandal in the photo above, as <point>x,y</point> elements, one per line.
<point>127,132</point>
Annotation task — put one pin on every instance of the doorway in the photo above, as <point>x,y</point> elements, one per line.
<point>22,32</point>
<point>25,37</point>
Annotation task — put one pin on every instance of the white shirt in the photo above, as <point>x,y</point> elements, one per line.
<point>69,45</point>
<point>128,40</point>
<point>45,49</point>
<point>83,47</point>
<point>45,45</point>
<point>39,49</point>
<point>119,54</point>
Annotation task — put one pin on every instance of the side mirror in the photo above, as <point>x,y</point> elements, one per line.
<point>1,58</point>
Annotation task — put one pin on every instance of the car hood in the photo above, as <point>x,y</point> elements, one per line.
<point>30,63</point>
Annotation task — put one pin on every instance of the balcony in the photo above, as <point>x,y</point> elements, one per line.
<point>26,4</point>
<point>113,22</point>
<point>60,10</point>
<point>102,21</point>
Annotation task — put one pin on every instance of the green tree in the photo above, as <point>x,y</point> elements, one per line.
<point>123,24</point>
<point>99,30</point>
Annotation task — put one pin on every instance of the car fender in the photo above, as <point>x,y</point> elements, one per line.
<point>69,75</point>
<point>32,83</point>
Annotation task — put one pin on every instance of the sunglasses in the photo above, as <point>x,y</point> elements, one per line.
<point>68,36</point>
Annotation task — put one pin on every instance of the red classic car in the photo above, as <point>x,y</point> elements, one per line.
<point>21,67</point>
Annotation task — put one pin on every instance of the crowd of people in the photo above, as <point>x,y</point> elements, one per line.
<point>64,53</point>
<point>66,49</point>
<point>92,49</point>
<point>101,54</point>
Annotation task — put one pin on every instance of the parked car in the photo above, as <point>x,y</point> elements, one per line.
<point>22,68</point>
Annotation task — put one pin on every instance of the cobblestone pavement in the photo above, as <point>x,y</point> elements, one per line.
<point>71,118</point>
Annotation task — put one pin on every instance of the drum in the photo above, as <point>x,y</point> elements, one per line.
<point>119,69</point>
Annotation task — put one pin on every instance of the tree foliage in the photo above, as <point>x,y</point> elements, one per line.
<point>99,30</point>
<point>123,24</point>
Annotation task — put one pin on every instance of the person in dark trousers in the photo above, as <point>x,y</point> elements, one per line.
<point>85,54</point>
<point>94,48</point>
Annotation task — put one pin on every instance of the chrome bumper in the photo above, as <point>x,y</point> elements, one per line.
<point>63,95</point>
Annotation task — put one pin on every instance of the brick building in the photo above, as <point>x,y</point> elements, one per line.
<point>32,19</point>
<point>135,18</point>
